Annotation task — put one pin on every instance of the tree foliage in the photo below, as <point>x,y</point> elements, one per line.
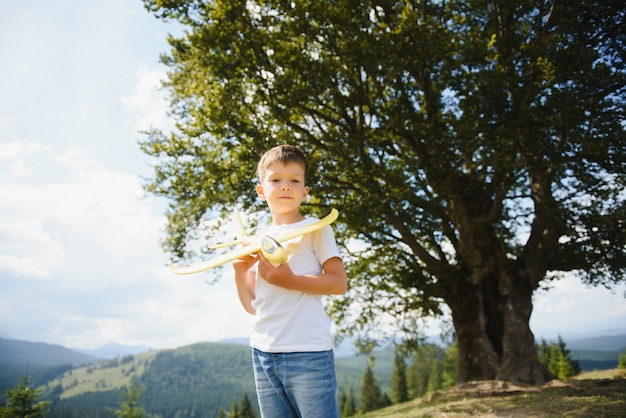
<point>186,372</point>
<point>245,410</point>
<point>130,406</point>
<point>234,410</point>
<point>371,396</point>
<point>23,402</point>
<point>347,402</point>
<point>399,388</point>
<point>556,357</point>
<point>432,368</point>
<point>476,147</point>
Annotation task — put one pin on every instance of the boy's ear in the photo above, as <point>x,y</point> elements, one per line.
<point>260,192</point>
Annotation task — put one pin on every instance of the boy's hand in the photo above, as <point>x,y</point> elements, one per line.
<point>277,275</point>
<point>244,264</point>
<point>331,281</point>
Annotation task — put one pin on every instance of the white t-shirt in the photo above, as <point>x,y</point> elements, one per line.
<point>291,321</point>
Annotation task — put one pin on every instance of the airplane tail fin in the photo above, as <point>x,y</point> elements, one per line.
<point>241,231</point>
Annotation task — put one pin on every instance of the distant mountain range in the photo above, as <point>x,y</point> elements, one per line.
<point>602,343</point>
<point>51,355</point>
<point>209,375</point>
<point>14,352</point>
<point>113,350</point>
<point>199,377</point>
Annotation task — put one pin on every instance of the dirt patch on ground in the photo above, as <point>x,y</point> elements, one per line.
<point>574,398</point>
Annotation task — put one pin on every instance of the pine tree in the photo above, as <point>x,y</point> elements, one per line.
<point>571,366</point>
<point>347,404</point>
<point>130,407</point>
<point>246,410</point>
<point>385,400</point>
<point>422,367</point>
<point>342,399</point>
<point>221,414</point>
<point>566,368</point>
<point>234,410</point>
<point>543,352</point>
<point>22,402</point>
<point>399,388</point>
<point>450,366</point>
<point>556,358</point>
<point>370,391</point>
<point>435,378</point>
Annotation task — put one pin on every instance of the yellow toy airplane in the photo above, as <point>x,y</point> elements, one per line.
<point>269,246</point>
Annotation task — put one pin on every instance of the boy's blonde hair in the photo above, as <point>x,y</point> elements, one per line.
<point>283,154</point>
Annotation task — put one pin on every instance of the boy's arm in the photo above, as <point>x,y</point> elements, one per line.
<point>333,280</point>
<point>245,281</point>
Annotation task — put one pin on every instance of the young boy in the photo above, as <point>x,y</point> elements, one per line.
<point>291,343</point>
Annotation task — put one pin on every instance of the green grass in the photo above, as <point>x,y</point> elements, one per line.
<point>602,374</point>
<point>593,394</point>
<point>102,376</point>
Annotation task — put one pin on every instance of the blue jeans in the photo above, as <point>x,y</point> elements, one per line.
<point>290,385</point>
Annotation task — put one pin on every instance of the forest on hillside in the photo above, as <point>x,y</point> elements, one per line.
<point>209,379</point>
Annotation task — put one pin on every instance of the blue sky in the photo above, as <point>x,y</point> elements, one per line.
<point>80,260</point>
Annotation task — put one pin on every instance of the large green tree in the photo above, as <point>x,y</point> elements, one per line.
<point>475,147</point>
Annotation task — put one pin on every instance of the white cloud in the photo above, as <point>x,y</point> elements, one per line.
<point>571,308</point>
<point>13,156</point>
<point>84,250</point>
<point>148,103</point>
<point>80,260</point>
<point>22,265</point>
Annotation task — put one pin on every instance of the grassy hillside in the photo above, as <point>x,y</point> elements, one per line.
<point>202,377</point>
<point>102,376</point>
<point>195,380</point>
<point>199,379</point>
<point>603,396</point>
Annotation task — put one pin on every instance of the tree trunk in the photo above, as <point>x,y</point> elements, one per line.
<point>491,320</point>
<point>489,295</point>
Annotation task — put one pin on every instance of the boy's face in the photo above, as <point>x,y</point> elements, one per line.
<point>283,187</point>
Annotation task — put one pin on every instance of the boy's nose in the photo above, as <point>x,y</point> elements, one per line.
<point>285,187</point>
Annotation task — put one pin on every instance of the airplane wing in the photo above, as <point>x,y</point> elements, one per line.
<point>242,235</point>
<point>254,246</point>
